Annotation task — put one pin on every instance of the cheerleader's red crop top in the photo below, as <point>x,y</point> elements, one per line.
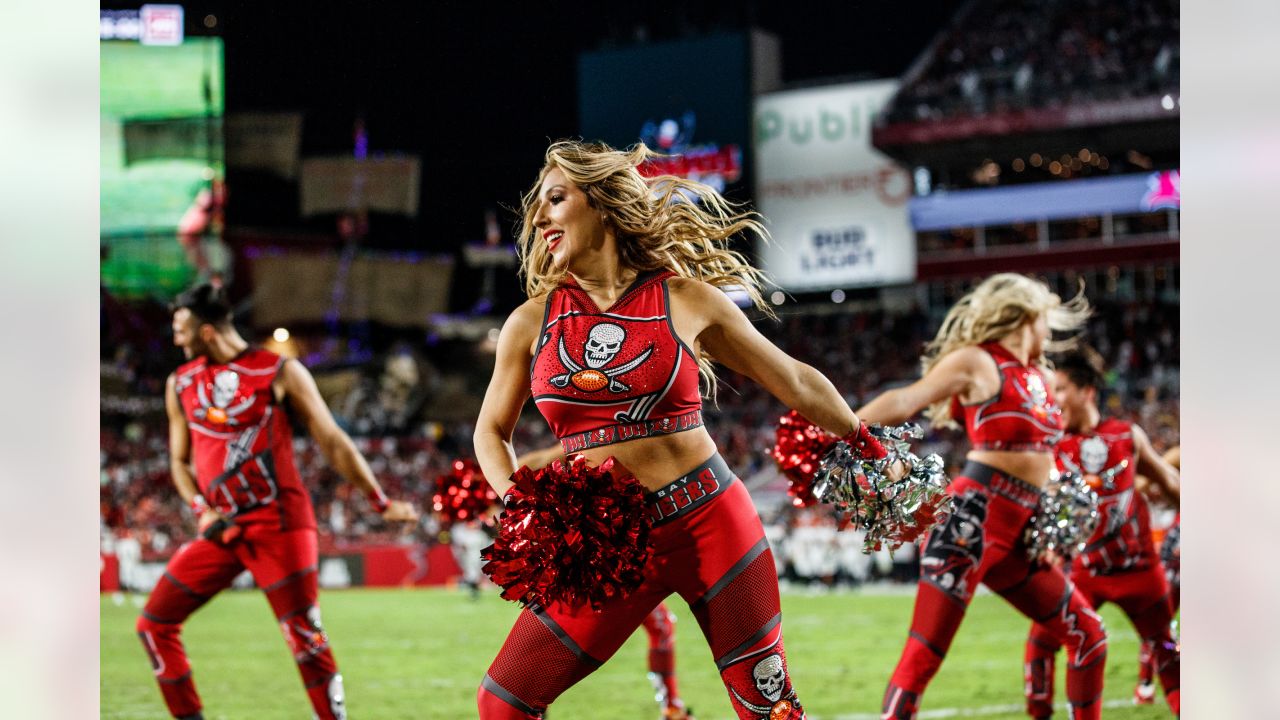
<point>606,377</point>
<point>1021,417</point>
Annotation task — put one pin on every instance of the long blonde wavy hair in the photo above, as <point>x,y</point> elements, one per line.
<point>995,308</point>
<point>656,223</point>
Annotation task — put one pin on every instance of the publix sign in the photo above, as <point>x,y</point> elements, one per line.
<point>833,121</point>
<point>835,206</point>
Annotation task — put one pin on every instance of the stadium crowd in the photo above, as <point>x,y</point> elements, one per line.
<point>1138,339</point>
<point>1007,55</point>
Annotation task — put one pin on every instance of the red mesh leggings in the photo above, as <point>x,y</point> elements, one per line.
<point>718,560</point>
<point>981,542</point>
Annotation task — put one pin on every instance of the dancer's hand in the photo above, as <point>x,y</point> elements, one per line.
<point>897,470</point>
<point>207,518</point>
<point>399,511</point>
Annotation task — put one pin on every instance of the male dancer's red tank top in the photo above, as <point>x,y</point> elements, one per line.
<point>602,377</point>
<point>1021,417</point>
<point>241,444</point>
<point>1105,458</point>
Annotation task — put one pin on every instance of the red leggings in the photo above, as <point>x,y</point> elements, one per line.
<point>709,547</point>
<point>1170,556</point>
<point>661,627</point>
<point>982,542</point>
<point>284,566</point>
<point>1144,597</point>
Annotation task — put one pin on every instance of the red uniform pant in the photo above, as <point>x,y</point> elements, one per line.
<point>661,627</point>
<point>982,543</point>
<point>284,565</point>
<point>708,546</point>
<point>1170,556</point>
<point>1144,597</point>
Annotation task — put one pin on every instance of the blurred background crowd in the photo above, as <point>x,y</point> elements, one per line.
<point>373,241</point>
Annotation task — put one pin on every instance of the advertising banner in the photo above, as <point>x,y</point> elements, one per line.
<point>108,573</point>
<point>361,566</point>
<point>1122,194</point>
<point>835,206</point>
<point>402,565</point>
<point>341,571</point>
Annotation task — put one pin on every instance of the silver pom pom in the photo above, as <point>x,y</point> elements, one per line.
<point>1067,517</point>
<point>891,512</point>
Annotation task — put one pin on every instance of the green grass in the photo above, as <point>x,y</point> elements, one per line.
<point>421,654</point>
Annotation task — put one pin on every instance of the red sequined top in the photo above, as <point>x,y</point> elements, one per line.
<point>241,444</point>
<point>602,377</point>
<point>1020,417</point>
<point>1105,458</point>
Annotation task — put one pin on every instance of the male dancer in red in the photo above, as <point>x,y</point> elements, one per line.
<point>231,454</point>
<point>1119,563</point>
<point>659,624</point>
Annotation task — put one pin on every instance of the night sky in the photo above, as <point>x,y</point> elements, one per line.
<point>477,89</point>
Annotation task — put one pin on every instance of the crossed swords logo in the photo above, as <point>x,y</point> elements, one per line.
<point>225,386</point>
<point>1106,478</point>
<point>615,385</point>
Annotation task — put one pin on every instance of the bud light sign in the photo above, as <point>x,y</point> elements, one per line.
<point>841,248</point>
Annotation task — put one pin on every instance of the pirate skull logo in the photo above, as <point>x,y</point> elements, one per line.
<point>225,385</point>
<point>603,343</point>
<point>1035,386</point>
<point>1093,454</point>
<point>770,676</point>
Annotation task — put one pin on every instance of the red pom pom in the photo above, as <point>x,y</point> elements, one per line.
<point>463,494</point>
<point>571,533</point>
<point>799,448</point>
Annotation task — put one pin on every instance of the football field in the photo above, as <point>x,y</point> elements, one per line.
<point>421,654</point>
